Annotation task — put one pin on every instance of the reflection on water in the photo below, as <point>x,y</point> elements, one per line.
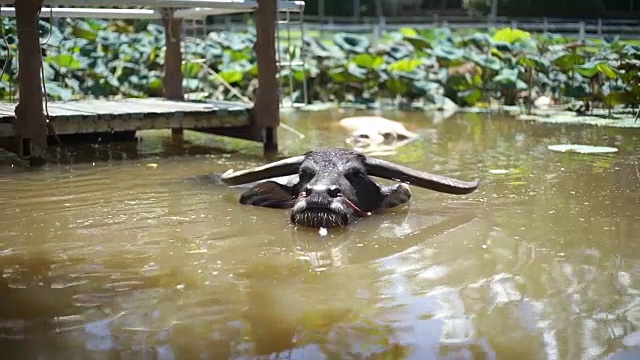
<point>119,259</point>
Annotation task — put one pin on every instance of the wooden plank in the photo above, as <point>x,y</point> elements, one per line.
<point>7,111</point>
<point>160,122</point>
<point>174,106</point>
<point>177,106</point>
<point>143,108</point>
<point>107,111</point>
<point>154,109</point>
<point>90,116</point>
<point>221,104</point>
<point>90,110</point>
<point>61,113</point>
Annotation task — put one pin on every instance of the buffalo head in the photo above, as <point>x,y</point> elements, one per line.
<point>334,188</point>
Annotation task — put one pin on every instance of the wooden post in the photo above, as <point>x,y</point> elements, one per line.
<point>266,109</point>
<point>172,80</point>
<point>31,124</point>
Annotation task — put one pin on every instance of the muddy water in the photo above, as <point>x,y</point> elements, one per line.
<point>136,256</point>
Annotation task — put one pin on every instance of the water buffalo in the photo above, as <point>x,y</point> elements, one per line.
<point>331,187</point>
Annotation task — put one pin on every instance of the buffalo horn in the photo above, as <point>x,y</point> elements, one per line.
<point>391,171</point>
<point>284,167</point>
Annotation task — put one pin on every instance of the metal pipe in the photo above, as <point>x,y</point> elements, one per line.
<point>202,8</point>
<point>304,68</point>
<point>91,13</point>
<point>221,4</point>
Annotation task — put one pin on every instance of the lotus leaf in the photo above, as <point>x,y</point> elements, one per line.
<point>49,72</point>
<point>535,61</point>
<point>486,61</point>
<point>318,49</point>
<point>231,76</point>
<point>427,87</point>
<point>479,40</point>
<point>554,38</point>
<point>577,90</point>
<point>368,61</point>
<point>502,46</point>
<point>407,31</point>
<point>68,61</point>
<point>449,54</point>
<point>399,51</point>
<point>567,61</point>
<point>57,91</point>
<point>471,96</point>
<point>630,51</point>
<point>349,73</point>
<point>593,68</point>
<point>405,65</point>
<point>310,71</point>
<point>192,69</point>
<point>511,35</point>
<point>510,78</point>
<point>352,43</point>
<point>412,37</point>
<point>83,30</point>
<point>397,86</point>
<point>438,36</point>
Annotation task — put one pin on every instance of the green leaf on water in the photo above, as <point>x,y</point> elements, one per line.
<point>583,149</point>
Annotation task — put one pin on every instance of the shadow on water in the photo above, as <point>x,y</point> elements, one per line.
<point>117,259</point>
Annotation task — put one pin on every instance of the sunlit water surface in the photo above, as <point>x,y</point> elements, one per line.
<point>136,256</point>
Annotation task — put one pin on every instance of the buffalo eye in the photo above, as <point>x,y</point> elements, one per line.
<point>306,174</point>
<point>353,173</point>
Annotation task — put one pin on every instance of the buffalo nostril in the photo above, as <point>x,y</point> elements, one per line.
<point>334,191</point>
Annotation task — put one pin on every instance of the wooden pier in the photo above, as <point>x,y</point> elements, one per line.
<point>24,128</point>
<point>126,115</point>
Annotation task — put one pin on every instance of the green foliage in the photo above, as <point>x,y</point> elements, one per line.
<point>93,58</point>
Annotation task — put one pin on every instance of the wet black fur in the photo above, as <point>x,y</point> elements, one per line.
<point>329,167</point>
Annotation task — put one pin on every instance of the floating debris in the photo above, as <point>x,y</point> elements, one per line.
<point>498,171</point>
<point>583,149</point>
<point>152,165</point>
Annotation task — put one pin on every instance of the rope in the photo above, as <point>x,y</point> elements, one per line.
<point>6,43</point>
<point>235,92</point>
<point>44,80</point>
<point>8,60</point>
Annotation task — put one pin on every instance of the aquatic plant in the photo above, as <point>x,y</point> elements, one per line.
<point>93,58</point>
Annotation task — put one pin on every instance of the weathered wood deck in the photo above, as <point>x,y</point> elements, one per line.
<point>98,116</point>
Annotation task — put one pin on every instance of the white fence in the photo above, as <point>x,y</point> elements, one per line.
<point>581,29</point>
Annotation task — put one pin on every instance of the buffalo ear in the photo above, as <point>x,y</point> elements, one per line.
<point>394,195</point>
<point>269,194</point>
